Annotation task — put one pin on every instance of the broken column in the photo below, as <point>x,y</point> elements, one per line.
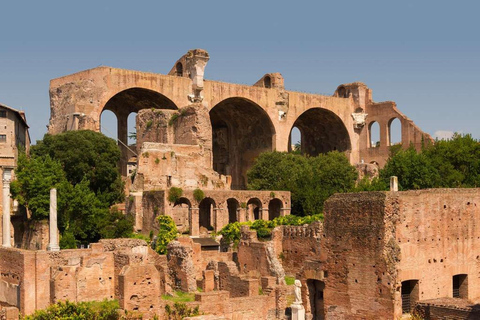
<point>393,183</point>
<point>7,177</point>
<point>53,244</point>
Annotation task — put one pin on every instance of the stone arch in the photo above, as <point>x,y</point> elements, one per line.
<point>274,208</point>
<point>267,82</point>
<point>374,134</point>
<point>179,69</point>
<point>394,131</point>
<point>322,131</point>
<point>254,209</point>
<point>233,206</point>
<point>108,124</point>
<point>295,140</point>
<point>181,214</point>
<point>206,214</point>
<point>133,100</point>
<point>342,92</point>
<point>241,130</point>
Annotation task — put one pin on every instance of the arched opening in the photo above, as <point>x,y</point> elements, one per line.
<point>132,130</point>
<point>206,215</point>
<point>274,208</point>
<point>241,130</point>
<point>322,131</point>
<point>108,124</point>
<point>254,209</point>
<point>129,101</point>
<point>342,92</point>
<point>394,132</point>
<point>233,207</point>
<point>179,69</point>
<point>315,294</point>
<point>180,214</point>
<point>374,135</point>
<point>295,140</point>
<point>410,295</point>
<point>267,82</point>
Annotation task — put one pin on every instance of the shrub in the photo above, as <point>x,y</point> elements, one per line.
<point>167,233</point>
<point>180,311</point>
<point>174,194</point>
<point>96,310</point>
<point>198,195</point>
<point>173,118</point>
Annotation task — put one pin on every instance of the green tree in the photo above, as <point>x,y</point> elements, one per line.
<point>167,233</point>
<point>86,154</point>
<point>449,163</point>
<point>311,180</point>
<point>281,171</point>
<point>34,177</point>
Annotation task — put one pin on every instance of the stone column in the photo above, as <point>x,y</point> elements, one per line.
<point>53,244</point>
<point>393,183</point>
<point>7,177</point>
<point>193,221</point>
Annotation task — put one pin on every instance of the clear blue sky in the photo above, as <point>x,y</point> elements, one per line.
<point>425,55</point>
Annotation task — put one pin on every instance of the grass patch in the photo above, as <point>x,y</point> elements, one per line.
<point>179,296</point>
<point>290,281</point>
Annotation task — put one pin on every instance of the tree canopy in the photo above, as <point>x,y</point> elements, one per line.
<point>453,163</point>
<point>311,180</point>
<point>86,155</point>
<point>77,164</point>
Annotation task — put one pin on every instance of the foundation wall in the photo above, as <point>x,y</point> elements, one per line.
<point>438,234</point>
<point>361,255</point>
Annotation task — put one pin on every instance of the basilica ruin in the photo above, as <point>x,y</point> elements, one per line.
<point>193,133</point>
<point>377,255</point>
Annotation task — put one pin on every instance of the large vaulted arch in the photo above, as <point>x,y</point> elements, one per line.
<point>322,131</point>
<point>130,101</point>
<point>241,130</point>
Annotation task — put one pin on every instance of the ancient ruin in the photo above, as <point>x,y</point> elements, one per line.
<point>376,255</point>
<point>194,133</point>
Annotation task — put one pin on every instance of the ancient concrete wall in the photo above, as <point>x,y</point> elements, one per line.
<point>375,241</point>
<point>361,257</point>
<point>32,280</point>
<point>298,244</point>
<point>11,274</point>
<point>447,309</point>
<point>384,113</point>
<point>77,101</point>
<point>218,303</point>
<point>139,288</point>
<point>258,258</point>
<point>438,233</point>
<point>228,206</point>
<point>181,265</point>
<point>152,206</point>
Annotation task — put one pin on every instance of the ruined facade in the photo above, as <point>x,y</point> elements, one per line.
<point>377,255</point>
<point>240,120</point>
<point>194,133</point>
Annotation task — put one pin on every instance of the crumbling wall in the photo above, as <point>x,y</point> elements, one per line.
<point>300,243</point>
<point>139,288</point>
<point>181,266</point>
<point>438,235</point>
<point>361,257</point>
<point>11,275</point>
<point>258,258</point>
<point>447,309</point>
<point>153,205</point>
